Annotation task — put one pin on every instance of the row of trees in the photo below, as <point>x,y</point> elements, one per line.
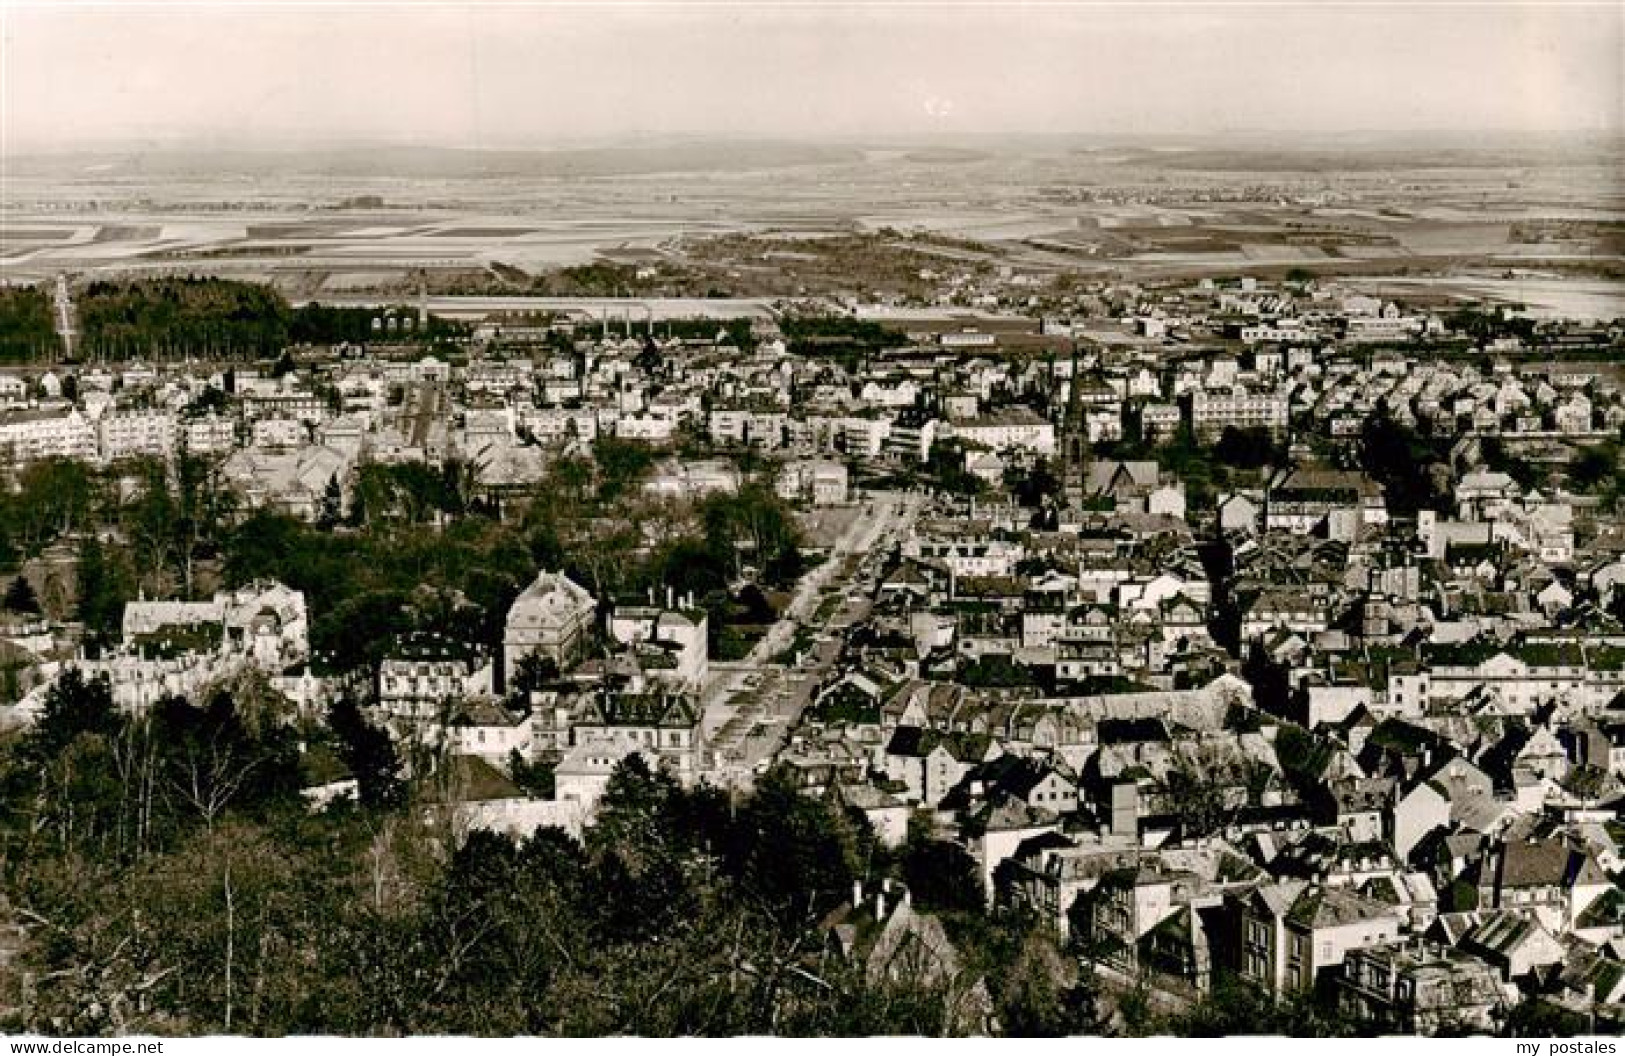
<point>319,324</point>
<point>187,315</point>
<point>182,315</point>
<point>27,325</point>
<point>845,337</point>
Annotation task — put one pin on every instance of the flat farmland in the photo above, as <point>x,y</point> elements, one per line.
<point>357,228</point>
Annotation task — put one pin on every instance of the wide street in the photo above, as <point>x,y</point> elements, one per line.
<point>751,705</point>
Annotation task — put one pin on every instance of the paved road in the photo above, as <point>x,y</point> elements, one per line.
<point>751,706</point>
<point>885,517</point>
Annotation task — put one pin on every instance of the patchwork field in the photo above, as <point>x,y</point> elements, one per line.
<point>326,227</point>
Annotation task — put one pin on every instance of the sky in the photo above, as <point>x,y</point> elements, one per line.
<point>516,75</point>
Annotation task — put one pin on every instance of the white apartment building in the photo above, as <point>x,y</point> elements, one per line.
<point>648,427</point>
<point>742,426</point>
<point>209,436</point>
<point>1387,327</point>
<point>136,435</point>
<point>864,436</point>
<point>29,436</point>
<point>1212,412</point>
<point>1281,331</point>
<point>1159,421</point>
<point>558,423</point>
<point>1012,429</point>
<point>279,433</point>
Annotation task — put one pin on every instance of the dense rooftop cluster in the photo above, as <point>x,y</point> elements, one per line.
<point>1261,635</point>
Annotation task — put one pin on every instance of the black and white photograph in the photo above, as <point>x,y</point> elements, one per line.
<point>811,519</point>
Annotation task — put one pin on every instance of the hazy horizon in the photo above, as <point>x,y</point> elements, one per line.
<point>530,77</point>
<point>1237,139</point>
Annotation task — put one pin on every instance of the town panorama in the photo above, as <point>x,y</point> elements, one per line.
<point>1023,586</point>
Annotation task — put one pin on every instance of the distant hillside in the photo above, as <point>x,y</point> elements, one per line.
<point>444,163</point>
<point>1354,156</point>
